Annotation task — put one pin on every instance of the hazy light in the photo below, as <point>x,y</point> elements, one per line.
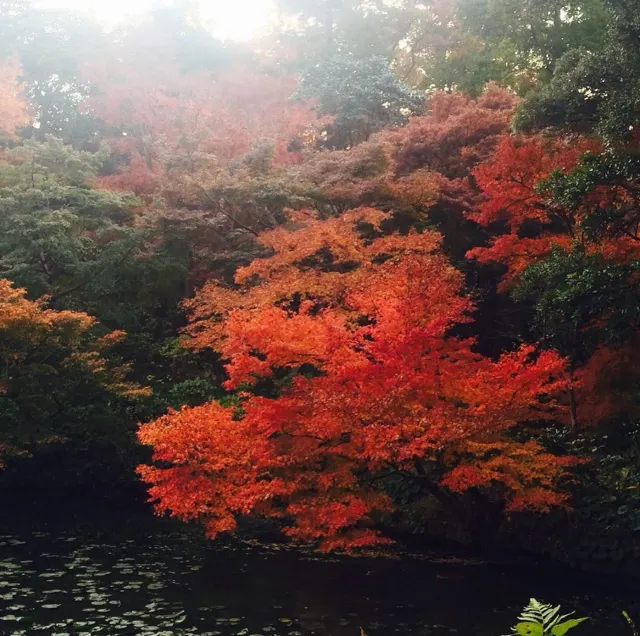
<point>232,19</point>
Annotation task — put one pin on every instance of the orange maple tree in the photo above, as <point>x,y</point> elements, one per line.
<point>47,359</point>
<point>12,106</point>
<point>342,350</point>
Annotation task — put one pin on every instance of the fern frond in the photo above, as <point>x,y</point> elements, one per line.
<point>545,618</point>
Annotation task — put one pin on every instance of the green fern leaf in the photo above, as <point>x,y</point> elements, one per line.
<point>528,629</point>
<point>562,628</point>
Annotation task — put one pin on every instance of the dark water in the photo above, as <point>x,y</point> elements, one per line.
<point>114,572</point>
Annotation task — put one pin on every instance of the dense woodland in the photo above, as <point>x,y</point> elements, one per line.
<point>374,273</point>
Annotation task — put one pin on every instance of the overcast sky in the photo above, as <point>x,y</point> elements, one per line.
<point>234,19</point>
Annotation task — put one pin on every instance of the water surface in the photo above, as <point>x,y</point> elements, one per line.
<point>116,572</point>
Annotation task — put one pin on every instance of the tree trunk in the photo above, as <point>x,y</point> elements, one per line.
<point>449,502</point>
<point>573,412</point>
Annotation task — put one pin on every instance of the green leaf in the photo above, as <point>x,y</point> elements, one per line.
<point>528,629</point>
<point>562,628</point>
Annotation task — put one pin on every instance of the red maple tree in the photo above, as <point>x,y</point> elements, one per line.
<point>508,183</point>
<point>356,333</point>
<point>530,226</point>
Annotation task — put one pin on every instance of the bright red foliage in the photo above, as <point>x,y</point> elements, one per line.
<point>378,384</point>
<point>534,227</point>
<point>508,183</point>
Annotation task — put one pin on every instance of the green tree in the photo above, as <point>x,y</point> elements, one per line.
<point>594,89</point>
<point>535,33</point>
<point>52,46</point>
<point>60,236</point>
<point>465,44</point>
<point>363,96</point>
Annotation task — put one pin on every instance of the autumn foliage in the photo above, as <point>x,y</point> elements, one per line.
<point>508,181</point>
<point>530,222</point>
<point>170,125</point>
<point>357,335</point>
<point>13,113</point>
<point>47,357</point>
<point>393,310</point>
<point>427,161</point>
<point>374,272</point>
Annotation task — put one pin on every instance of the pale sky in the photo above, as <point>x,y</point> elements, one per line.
<point>233,19</point>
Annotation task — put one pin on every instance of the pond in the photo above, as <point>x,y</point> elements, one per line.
<point>113,571</point>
